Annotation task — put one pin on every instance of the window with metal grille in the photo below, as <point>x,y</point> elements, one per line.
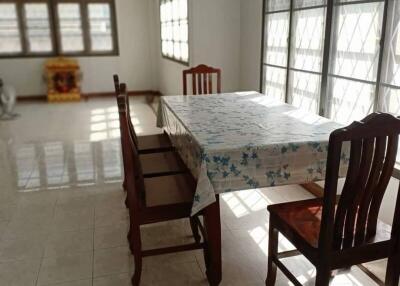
<point>58,27</point>
<point>174,30</point>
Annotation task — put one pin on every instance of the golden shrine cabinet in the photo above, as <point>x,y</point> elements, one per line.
<point>63,79</point>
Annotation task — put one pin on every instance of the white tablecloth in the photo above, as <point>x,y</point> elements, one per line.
<point>242,141</point>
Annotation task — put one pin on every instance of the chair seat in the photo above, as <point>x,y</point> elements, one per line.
<point>154,143</point>
<point>158,163</point>
<point>301,217</point>
<point>169,190</point>
<point>304,218</point>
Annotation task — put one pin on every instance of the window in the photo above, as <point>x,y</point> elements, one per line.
<point>390,83</point>
<point>37,27</point>
<point>293,52</point>
<point>389,89</point>
<point>337,58</point>
<point>9,29</point>
<point>338,70</point>
<point>174,30</point>
<point>70,27</point>
<point>100,27</point>
<point>57,27</point>
<point>355,59</point>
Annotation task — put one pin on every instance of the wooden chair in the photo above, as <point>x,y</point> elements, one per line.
<point>148,143</point>
<point>335,233</point>
<point>153,164</point>
<point>202,82</point>
<point>155,199</point>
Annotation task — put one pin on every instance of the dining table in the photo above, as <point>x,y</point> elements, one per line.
<point>243,141</point>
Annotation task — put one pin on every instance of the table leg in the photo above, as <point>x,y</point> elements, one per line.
<point>212,255</point>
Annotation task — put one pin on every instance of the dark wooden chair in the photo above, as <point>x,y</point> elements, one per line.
<point>202,80</point>
<point>153,164</point>
<point>338,232</point>
<point>148,143</point>
<point>155,199</point>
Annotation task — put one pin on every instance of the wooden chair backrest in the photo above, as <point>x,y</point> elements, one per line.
<point>133,168</point>
<point>121,92</point>
<point>202,80</point>
<point>117,96</point>
<point>373,148</point>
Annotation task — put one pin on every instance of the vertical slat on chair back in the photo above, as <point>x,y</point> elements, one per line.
<point>116,84</point>
<point>199,89</point>
<point>132,166</point>
<point>373,148</point>
<point>202,77</point>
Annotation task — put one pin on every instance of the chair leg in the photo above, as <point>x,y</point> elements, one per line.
<point>323,276</point>
<point>128,237</point>
<point>272,251</point>
<point>135,244</point>
<point>195,229</point>
<point>393,270</point>
<point>138,270</point>
<point>125,189</point>
<point>126,202</point>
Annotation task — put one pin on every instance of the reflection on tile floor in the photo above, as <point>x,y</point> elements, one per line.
<point>62,215</point>
<point>64,165</point>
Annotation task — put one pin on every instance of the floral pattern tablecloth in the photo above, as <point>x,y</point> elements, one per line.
<point>247,140</point>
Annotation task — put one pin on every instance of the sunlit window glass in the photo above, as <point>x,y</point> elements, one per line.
<point>38,27</point>
<point>100,27</point>
<point>307,52</point>
<point>10,39</point>
<point>174,29</point>
<point>354,61</point>
<point>294,56</point>
<point>70,27</point>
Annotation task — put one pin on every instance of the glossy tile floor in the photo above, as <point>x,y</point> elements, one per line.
<point>63,221</point>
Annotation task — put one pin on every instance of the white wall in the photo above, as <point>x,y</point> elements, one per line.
<point>133,65</point>
<point>214,39</point>
<point>223,33</point>
<point>250,43</point>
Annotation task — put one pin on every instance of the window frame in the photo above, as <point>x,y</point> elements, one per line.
<point>166,57</point>
<point>55,35</point>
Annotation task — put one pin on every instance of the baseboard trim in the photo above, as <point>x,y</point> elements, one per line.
<point>112,94</point>
<point>87,96</point>
<point>41,97</point>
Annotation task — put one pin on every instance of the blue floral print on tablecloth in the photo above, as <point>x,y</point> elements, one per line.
<point>242,141</point>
